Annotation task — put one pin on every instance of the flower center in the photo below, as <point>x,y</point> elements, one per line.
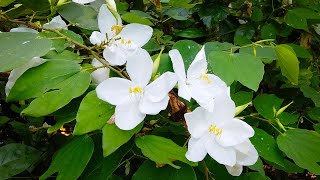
<point>205,77</point>
<point>215,130</point>
<point>136,89</point>
<point>117,29</point>
<point>123,41</point>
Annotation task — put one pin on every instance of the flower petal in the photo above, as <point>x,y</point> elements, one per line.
<point>139,67</point>
<point>224,109</point>
<point>247,155</point>
<point>114,55</point>
<point>183,91</point>
<point>223,155</point>
<point>56,23</point>
<point>97,38</point>
<point>178,65</point>
<point>196,150</point>
<point>101,74</point>
<point>198,65</point>
<point>234,131</point>
<point>83,1</point>
<point>17,72</point>
<point>159,89</point>
<point>114,91</point>
<point>106,20</point>
<point>139,34</point>
<point>197,122</point>
<point>235,170</point>
<point>153,108</point>
<point>128,115</point>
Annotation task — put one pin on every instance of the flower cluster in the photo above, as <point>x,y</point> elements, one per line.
<point>212,126</point>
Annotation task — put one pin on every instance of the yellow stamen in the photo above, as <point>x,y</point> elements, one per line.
<point>129,41</point>
<point>214,129</point>
<point>136,89</point>
<point>122,41</point>
<point>117,28</point>
<point>205,77</point>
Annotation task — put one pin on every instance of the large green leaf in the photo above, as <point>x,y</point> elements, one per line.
<point>80,15</point>
<point>71,160</point>
<point>15,158</point>
<point>162,150</point>
<point>46,76</point>
<point>36,5</point>
<point>4,3</point>
<point>302,146</point>
<point>252,176</point>
<point>314,114</point>
<point>188,50</point>
<point>113,137</point>
<point>101,168</point>
<point>17,48</point>
<point>60,96</point>
<point>93,114</point>
<point>288,62</point>
<point>148,170</point>
<point>297,17</point>
<point>266,103</point>
<point>266,54</point>
<point>134,18</point>
<point>267,147</point>
<point>242,67</point>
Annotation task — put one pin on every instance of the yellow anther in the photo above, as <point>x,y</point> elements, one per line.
<point>129,41</point>
<point>117,29</point>
<point>205,77</point>
<point>214,129</point>
<point>122,41</point>
<point>136,89</point>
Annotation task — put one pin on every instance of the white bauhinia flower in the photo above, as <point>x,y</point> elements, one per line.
<point>197,83</point>
<point>101,74</point>
<point>246,155</point>
<point>216,133</point>
<point>135,98</point>
<point>56,23</point>
<point>17,72</point>
<point>120,41</point>
<point>83,1</point>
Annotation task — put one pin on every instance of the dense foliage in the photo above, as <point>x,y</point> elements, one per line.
<point>57,62</point>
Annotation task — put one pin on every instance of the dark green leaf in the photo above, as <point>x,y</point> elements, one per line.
<point>314,114</point>
<point>191,33</point>
<point>252,176</point>
<point>266,103</point>
<point>188,50</point>
<point>311,93</point>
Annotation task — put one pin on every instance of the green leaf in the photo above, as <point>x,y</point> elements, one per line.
<point>302,146</point>
<point>257,14</point>
<point>47,76</point>
<point>165,63</point>
<point>152,45</point>
<point>162,150</point>
<point>17,48</point>
<point>148,170</point>
<point>177,13</point>
<point>4,3</point>
<point>252,176</point>
<point>188,50</point>
<point>242,97</point>
<point>297,17</point>
<point>300,51</point>
<point>70,161</point>
<point>181,3</point>
<point>266,54</point>
<point>219,171</point>
<point>113,137</point>
<point>60,96</point>
<point>211,14</point>
<point>101,168</point>
<point>134,18</point>
<point>246,31</point>
<point>258,166</point>
<point>217,46</point>
<point>288,61</point>
<point>36,5</point>
<point>288,167</point>
<point>267,147</point>
<point>64,55</point>
<point>314,114</point>
<point>15,158</point>
<point>93,114</point>
<point>311,93</point>
<point>266,103</point>
<point>316,127</point>
<point>242,67</point>
<point>80,15</point>
<point>269,31</point>
<point>191,33</point>
<point>287,118</point>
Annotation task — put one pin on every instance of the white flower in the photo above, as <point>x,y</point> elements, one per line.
<point>246,155</point>
<point>197,83</point>
<point>17,72</point>
<point>134,99</point>
<point>56,23</point>
<point>100,74</point>
<point>122,41</point>
<point>83,1</point>
<point>216,133</point>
